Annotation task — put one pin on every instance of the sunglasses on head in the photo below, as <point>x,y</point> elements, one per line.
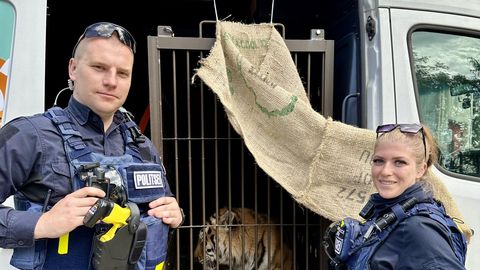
<point>105,30</point>
<point>404,128</point>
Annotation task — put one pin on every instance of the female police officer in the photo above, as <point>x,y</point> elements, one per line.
<point>405,227</point>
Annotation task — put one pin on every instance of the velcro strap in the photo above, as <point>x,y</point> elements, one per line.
<point>399,213</point>
<point>76,143</point>
<point>61,119</point>
<point>69,129</point>
<point>78,153</point>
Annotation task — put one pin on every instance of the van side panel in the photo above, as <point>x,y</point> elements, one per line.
<point>378,99</point>
<point>26,82</point>
<point>402,21</point>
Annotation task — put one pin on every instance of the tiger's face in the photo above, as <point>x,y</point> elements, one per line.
<point>206,251</point>
<point>240,239</point>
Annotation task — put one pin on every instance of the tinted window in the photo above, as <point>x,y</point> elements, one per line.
<point>447,68</point>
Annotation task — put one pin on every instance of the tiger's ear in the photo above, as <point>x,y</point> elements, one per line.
<point>229,218</point>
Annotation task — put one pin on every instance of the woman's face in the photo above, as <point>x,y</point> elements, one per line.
<point>394,169</point>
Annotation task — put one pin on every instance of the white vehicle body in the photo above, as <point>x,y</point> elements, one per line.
<point>26,81</point>
<point>25,85</point>
<point>390,92</point>
<point>388,89</point>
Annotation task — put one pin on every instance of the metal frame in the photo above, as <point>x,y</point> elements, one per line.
<point>166,40</point>
<point>230,170</point>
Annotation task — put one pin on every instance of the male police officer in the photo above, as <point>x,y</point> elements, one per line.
<point>42,158</point>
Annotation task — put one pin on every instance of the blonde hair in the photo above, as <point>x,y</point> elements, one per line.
<point>427,154</point>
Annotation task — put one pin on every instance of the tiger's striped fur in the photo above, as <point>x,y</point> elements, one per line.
<point>255,242</point>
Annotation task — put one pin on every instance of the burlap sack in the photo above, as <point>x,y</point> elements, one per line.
<point>323,164</point>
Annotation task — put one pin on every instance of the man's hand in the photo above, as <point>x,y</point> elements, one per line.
<point>167,209</point>
<point>67,214</point>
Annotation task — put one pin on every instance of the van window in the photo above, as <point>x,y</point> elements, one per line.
<point>6,36</point>
<point>447,69</point>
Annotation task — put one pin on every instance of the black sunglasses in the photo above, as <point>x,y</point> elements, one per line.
<point>105,30</point>
<point>404,128</point>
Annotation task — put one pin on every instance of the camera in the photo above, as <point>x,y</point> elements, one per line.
<point>105,178</point>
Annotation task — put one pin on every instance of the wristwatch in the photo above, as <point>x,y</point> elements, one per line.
<point>183,217</point>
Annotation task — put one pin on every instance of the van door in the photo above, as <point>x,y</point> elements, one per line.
<point>436,57</point>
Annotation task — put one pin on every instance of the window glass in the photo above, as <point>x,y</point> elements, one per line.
<point>447,69</point>
<point>6,36</point>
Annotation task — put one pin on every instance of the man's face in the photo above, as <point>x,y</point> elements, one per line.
<point>102,72</point>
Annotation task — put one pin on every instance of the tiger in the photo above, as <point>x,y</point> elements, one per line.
<point>231,228</point>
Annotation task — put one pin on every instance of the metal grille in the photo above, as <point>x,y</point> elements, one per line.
<point>208,165</point>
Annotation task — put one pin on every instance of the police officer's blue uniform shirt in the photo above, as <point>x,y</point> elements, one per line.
<point>418,242</point>
<point>32,160</point>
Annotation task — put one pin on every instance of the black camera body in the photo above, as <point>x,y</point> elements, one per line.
<point>94,175</point>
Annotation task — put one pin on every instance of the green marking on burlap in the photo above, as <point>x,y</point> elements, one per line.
<point>246,43</point>
<point>282,112</point>
<point>276,112</point>
<point>230,79</point>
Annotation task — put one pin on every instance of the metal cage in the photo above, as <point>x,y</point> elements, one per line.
<point>207,164</point>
